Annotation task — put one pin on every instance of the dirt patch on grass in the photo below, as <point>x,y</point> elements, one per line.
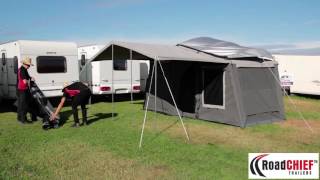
<point>278,137</point>
<point>81,161</point>
<point>303,128</point>
<point>302,105</point>
<point>299,124</point>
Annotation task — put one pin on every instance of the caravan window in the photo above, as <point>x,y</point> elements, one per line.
<point>120,65</point>
<point>51,64</point>
<point>213,94</point>
<point>3,58</point>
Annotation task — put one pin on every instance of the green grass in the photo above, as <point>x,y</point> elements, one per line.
<point>108,148</point>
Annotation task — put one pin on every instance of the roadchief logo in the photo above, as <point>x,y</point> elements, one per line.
<point>283,165</point>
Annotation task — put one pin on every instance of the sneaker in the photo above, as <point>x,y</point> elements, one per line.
<point>84,124</point>
<point>45,126</point>
<point>28,122</point>
<point>21,122</point>
<point>75,125</point>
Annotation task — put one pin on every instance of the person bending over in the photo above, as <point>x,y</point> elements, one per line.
<point>79,95</point>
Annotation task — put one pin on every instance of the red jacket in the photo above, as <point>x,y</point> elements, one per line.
<point>21,85</point>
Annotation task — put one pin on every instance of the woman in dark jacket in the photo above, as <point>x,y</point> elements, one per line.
<point>79,94</point>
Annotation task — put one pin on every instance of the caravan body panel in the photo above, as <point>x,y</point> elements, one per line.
<point>304,72</point>
<point>44,54</point>
<point>99,74</point>
<point>102,78</point>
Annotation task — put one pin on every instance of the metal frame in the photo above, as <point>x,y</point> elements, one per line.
<point>154,71</point>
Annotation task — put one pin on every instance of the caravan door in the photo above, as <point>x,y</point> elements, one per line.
<point>12,70</point>
<point>4,74</point>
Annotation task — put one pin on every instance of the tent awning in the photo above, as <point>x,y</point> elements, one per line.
<point>177,53</point>
<point>165,52</point>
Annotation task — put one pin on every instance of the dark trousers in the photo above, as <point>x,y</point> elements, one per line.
<point>81,99</point>
<point>22,105</point>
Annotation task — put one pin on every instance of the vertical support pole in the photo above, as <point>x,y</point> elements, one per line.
<point>155,85</point>
<point>112,86</point>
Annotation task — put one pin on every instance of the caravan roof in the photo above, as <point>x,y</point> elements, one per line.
<point>31,47</point>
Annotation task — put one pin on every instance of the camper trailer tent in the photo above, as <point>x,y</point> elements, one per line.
<point>238,92</point>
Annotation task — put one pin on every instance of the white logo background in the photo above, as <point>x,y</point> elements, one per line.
<point>282,174</point>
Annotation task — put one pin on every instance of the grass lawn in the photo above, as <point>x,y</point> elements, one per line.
<point>108,148</point>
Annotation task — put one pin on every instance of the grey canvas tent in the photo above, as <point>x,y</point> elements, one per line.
<point>207,79</point>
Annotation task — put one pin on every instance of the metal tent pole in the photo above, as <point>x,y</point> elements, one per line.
<point>146,110</point>
<point>294,105</point>
<point>184,128</point>
<point>112,85</point>
<point>155,90</point>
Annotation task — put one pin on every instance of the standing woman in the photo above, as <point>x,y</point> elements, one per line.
<point>79,94</point>
<point>23,93</point>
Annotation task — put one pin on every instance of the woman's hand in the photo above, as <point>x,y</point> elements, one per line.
<point>53,117</point>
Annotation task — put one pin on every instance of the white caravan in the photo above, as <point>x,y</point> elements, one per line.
<point>99,74</point>
<point>55,63</point>
<point>302,72</point>
<point>87,52</point>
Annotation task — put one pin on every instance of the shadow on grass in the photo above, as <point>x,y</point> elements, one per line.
<point>8,106</point>
<point>65,115</point>
<point>148,142</point>
<point>100,116</point>
<point>142,103</point>
<point>309,96</point>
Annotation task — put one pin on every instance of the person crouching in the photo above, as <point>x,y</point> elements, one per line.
<point>79,95</point>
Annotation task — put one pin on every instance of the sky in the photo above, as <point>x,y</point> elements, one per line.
<point>271,24</point>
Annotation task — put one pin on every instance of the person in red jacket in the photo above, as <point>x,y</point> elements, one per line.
<point>23,93</point>
<point>79,94</point>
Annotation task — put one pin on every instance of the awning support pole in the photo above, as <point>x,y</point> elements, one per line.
<point>112,82</point>
<point>294,105</point>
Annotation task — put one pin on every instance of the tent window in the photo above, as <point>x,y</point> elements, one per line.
<point>51,64</point>
<point>120,65</point>
<point>213,94</point>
